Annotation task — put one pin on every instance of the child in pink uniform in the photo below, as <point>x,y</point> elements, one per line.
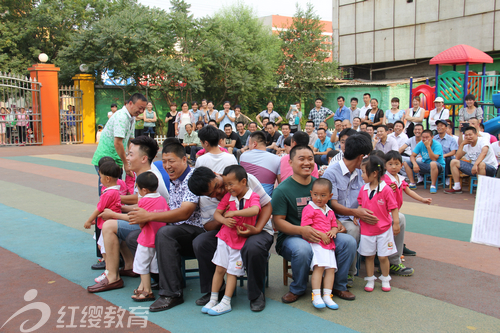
<point>378,238</point>
<point>393,164</point>
<point>239,206</point>
<point>110,198</point>
<point>124,185</point>
<point>145,255</point>
<point>318,215</point>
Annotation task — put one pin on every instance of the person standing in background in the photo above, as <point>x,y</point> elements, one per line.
<point>294,115</point>
<point>149,120</point>
<point>114,108</point>
<point>183,118</point>
<point>170,120</point>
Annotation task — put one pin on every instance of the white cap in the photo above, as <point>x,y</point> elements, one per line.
<point>439,99</point>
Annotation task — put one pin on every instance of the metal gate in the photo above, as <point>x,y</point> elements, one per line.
<point>70,115</point>
<point>20,111</point>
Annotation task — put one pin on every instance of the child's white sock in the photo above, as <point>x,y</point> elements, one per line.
<point>214,298</point>
<point>317,300</point>
<point>457,186</point>
<point>370,284</point>
<point>223,307</point>
<point>327,298</point>
<point>386,286</point>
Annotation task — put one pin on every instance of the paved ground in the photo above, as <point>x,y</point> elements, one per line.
<point>47,193</point>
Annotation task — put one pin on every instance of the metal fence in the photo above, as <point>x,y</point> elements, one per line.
<point>70,115</point>
<point>20,111</point>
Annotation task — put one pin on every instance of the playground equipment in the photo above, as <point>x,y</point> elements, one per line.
<point>452,86</point>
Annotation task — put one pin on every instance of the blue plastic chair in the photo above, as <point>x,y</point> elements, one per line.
<point>442,176</point>
<point>473,183</point>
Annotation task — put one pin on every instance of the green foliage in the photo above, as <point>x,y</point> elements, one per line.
<point>30,27</point>
<point>304,70</point>
<point>238,57</point>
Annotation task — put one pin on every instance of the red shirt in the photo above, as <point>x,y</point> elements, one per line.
<point>401,186</point>
<point>315,217</point>
<point>286,169</point>
<point>381,205</point>
<point>152,202</point>
<point>110,198</point>
<point>229,235</point>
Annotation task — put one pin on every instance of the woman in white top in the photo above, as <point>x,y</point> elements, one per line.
<point>210,113</point>
<point>472,110</point>
<point>394,114</point>
<point>183,118</point>
<point>414,116</point>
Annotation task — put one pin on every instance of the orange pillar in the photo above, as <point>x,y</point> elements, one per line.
<point>46,74</point>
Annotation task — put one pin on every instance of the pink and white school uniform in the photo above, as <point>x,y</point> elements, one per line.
<point>229,243</point>
<point>110,198</point>
<point>123,187</point>
<point>401,185</point>
<point>145,255</point>
<point>377,238</point>
<point>322,220</point>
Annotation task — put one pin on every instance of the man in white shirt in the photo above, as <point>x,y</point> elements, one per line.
<point>383,141</point>
<point>356,122</point>
<point>481,157</point>
<point>214,158</point>
<point>366,99</point>
<point>439,113</point>
<point>400,136</point>
<point>310,131</point>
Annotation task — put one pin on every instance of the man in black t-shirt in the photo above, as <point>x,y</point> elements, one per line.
<point>232,139</point>
<point>271,137</point>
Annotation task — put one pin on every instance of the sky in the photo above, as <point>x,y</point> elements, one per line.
<point>201,8</point>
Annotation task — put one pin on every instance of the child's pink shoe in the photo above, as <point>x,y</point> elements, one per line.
<point>370,284</point>
<point>386,286</point>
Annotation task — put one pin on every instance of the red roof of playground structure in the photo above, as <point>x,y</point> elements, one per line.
<point>460,55</point>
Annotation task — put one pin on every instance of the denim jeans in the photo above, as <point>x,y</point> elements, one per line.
<point>298,251</point>
<point>466,168</point>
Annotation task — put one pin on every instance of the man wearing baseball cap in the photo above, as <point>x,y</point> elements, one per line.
<point>438,113</point>
<point>450,145</point>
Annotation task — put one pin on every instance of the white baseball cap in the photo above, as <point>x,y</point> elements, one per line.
<point>439,99</point>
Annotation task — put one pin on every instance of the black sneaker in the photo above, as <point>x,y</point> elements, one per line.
<point>401,270</point>
<point>408,252</point>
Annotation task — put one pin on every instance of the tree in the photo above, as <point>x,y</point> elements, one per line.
<point>30,27</point>
<point>305,69</point>
<point>237,56</point>
<point>138,43</point>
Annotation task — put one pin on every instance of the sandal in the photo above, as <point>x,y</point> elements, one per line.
<point>137,292</point>
<point>147,296</point>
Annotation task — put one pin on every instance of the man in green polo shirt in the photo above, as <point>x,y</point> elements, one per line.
<point>191,142</point>
<point>118,131</point>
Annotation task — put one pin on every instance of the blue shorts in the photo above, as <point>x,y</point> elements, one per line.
<point>425,167</point>
<point>124,228</point>
<point>466,168</point>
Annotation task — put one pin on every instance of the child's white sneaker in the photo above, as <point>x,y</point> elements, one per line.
<point>327,298</point>
<point>386,286</point>
<point>219,309</point>
<point>208,306</point>
<point>370,284</point>
<point>318,301</point>
<point>101,277</point>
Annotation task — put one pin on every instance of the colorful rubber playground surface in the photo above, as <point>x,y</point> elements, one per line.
<point>47,193</point>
